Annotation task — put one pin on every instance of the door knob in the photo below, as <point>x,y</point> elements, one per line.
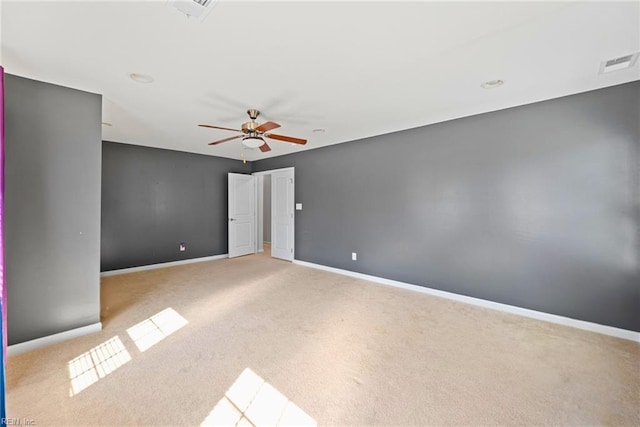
<point>232,219</point>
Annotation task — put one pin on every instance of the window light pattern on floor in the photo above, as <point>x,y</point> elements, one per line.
<point>96,363</point>
<point>151,331</point>
<point>251,401</point>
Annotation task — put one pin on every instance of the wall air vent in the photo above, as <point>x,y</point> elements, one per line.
<point>193,8</point>
<point>620,63</point>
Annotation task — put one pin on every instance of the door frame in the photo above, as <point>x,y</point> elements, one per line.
<point>259,206</point>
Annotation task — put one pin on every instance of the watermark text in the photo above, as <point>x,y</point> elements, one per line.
<point>17,422</point>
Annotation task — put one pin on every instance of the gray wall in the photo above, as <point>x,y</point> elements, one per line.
<point>53,140</point>
<point>535,206</point>
<point>154,199</point>
<point>267,209</point>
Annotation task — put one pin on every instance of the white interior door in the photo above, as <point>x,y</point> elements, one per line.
<point>282,204</point>
<point>242,214</point>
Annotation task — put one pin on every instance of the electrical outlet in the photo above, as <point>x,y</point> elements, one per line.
<point>354,256</point>
<point>182,247</point>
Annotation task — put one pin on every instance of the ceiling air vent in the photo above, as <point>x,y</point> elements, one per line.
<point>621,63</point>
<point>193,8</point>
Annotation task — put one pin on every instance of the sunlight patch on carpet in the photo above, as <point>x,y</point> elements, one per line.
<point>97,363</point>
<point>252,401</point>
<point>151,331</point>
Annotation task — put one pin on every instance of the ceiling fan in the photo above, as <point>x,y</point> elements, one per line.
<point>253,134</point>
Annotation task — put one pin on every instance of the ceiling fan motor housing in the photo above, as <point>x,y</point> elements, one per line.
<point>249,127</point>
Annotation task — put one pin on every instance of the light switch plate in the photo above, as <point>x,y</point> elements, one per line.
<point>298,206</point>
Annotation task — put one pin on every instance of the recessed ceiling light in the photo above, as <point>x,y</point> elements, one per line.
<point>106,124</point>
<point>318,131</point>
<point>141,78</point>
<point>620,63</point>
<point>491,84</point>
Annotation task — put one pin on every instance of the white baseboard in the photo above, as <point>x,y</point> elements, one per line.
<point>539,315</point>
<point>23,347</point>
<point>161,265</point>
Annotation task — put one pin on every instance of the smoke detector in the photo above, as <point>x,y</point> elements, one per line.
<point>193,8</point>
<point>620,63</point>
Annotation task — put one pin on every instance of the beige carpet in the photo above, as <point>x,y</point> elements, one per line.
<point>261,341</point>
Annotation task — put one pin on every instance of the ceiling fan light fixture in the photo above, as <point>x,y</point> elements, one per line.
<point>253,141</point>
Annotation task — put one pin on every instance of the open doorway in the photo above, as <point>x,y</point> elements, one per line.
<point>275,219</point>
<point>266,214</point>
<point>263,214</point>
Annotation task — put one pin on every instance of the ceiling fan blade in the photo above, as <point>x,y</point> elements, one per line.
<point>286,138</point>
<point>225,140</point>
<point>267,126</point>
<point>219,127</point>
<point>265,147</point>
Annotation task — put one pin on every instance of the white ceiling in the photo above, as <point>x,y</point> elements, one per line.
<point>355,69</point>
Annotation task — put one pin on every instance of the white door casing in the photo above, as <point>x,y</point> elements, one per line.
<point>241,214</point>
<point>282,211</point>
